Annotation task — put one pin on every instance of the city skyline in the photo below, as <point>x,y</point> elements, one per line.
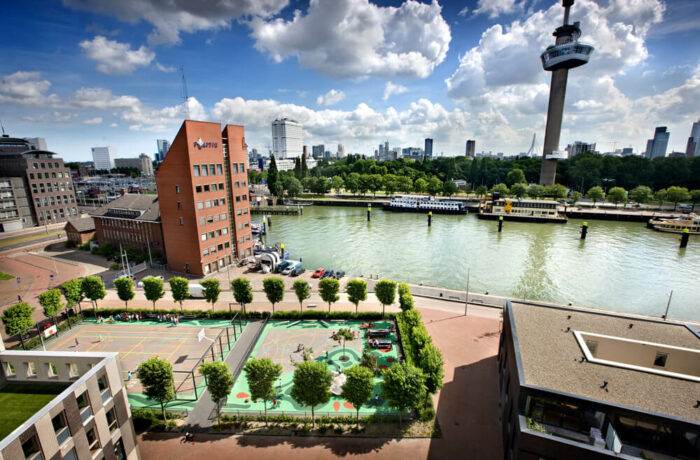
<point>86,75</point>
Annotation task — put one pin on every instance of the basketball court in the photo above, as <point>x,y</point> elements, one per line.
<point>179,345</point>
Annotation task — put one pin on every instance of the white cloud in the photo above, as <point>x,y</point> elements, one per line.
<point>463,11</point>
<point>101,98</point>
<point>357,39</point>
<point>494,8</point>
<point>93,121</point>
<point>26,88</point>
<point>391,88</point>
<point>169,18</point>
<point>113,125</point>
<point>113,57</point>
<point>330,98</point>
<point>164,68</point>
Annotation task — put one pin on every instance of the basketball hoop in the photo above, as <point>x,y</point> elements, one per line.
<point>201,336</point>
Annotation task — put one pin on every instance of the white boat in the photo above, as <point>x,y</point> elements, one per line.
<point>424,204</point>
<point>690,222</point>
<point>542,211</point>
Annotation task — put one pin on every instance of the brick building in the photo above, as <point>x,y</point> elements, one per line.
<point>204,202</point>
<point>79,231</point>
<point>46,180</point>
<point>130,220</point>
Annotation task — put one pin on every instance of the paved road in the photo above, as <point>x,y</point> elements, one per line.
<point>17,243</point>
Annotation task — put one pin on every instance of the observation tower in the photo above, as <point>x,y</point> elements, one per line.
<point>566,53</point>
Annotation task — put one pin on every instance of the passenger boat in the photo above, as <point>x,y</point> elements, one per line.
<point>424,204</point>
<point>542,211</point>
<point>691,222</point>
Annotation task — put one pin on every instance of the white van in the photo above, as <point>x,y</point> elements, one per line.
<point>196,290</point>
<point>292,265</point>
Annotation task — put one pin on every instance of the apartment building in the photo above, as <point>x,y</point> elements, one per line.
<point>204,202</point>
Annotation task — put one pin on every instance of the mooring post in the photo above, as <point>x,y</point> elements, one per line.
<point>369,213</point>
<point>584,230</point>
<point>430,218</point>
<point>685,236</point>
<point>500,224</point>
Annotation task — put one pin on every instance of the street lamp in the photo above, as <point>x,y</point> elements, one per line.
<point>605,184</point>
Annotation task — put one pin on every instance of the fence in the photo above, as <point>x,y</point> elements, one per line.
<point>251,344</point>
<point>303,414</point>
<point>34,337</point>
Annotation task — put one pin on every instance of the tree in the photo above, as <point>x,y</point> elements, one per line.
<point>262,374</point>
<point>343,335</point>
<point>374,183</point>
<point>390,184</point>
<point>575,196</point>
<point>617,195</point>
<point>153,289</point>
<point>677,195</point>
<point>352,182</point>
<point>434,186</point>
<point>304,167</point>
<point>302,291</point>
<point>595,193</point>
<point>274,290</point>
<point>94,289</point>
<point>357,291</point>
<point>180,289</point>
<point>358,387</point>
<point>51,302</point>
<point>293,187</point>
<point>535,191</point>
<point>370,361</point>
<point>212,289</point>
<point>502,189</point>
<point>242,292</point>
<point>555,191</point>
<point>72,291</point>
<point>272,175</point>
<point>420,185</point>
<point>328,289</point>
<point>297,168</point>
<point>337,184</point>
<point>17,318</point>
<point>219,382</point>
<point>519,190</point>
<point>695,197</point>
<point>431,363</point>
<point>125,290</point>
<point>406,301</point>
<point>641,194</point>
<point>481,190</point>
<point>515,176</point>
<point>660,196</point>
<point>403,387</point>
<point>156,376</point>
<point>449,188</point>
<point>385,290</point>
<point>311,383</point>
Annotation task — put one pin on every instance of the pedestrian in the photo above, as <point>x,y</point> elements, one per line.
<point>128,375</point>
<point>19,280</point>
<point>77,344</point>
<point>19,298</point>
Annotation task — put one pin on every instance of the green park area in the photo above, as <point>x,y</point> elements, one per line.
<point>281,340</point>
<point>19,401</point>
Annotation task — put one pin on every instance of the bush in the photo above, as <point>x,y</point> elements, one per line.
<point>427,412</point>
<point>84,246</point>
<point>150,420</point>
<point>338,430</point>
<point>114,266</point>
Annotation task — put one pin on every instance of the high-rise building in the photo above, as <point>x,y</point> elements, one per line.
<point>146,165</point>
<point>470,150</point>
<point>47,183</point>
<point>38,143</point>
<point>693,147</point>
<point>341,151</point>
<point>428,148</point>
<point>656,147</point>
<point>317,151</point>
<point>103,157</point>
<point>305,151</point>
<point>287,138</point>
<point>386,147</point>
<point>163,147</point>
<point>203,195</point>
<point>579,147</point>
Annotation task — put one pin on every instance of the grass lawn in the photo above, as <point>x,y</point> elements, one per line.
<point>20,401</point>
<point>5,276</point>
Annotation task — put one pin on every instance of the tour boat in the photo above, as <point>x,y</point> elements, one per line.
<point>542,211</point>
<point>424,204</point>
<point>691,222</point>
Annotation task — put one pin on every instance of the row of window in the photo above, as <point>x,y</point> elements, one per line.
<point>122,223</point>
<point>241,211</point>
<point>209,219</point>
<point>209,188</point>
<point>223,262</point>
<point>45,165</point>
<point>50,199</point>
<point>51,175</point>
<point>214,233</point>
<point>213,249</point>
<point>58,213</point>
<point>63,186</point>
<point>243,197</point>
<point>215,169</point>
<point>116,235</point>
<point>209,203</point>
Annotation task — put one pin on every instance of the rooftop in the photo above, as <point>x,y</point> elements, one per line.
<point>143,207</point>
<point>84,224</point>
<point>19,401</point>
<point>551,358</point>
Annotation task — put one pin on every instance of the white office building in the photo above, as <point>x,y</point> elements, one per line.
<point>163,147</point>
<point>287,138</point>
<point>103,157</point>
<point>37,143</point>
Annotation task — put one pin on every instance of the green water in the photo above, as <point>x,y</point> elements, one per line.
<point>621,266</point>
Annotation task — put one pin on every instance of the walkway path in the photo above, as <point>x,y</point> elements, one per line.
<point>204,413</point>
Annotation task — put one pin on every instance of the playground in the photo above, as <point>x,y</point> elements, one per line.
<point>138,341</point>
<point>284,342</point>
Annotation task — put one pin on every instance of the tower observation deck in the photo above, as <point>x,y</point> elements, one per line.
<point>566,53</point>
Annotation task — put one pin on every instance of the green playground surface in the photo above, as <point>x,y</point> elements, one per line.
<point>279,341</point>
<point>183,322</point>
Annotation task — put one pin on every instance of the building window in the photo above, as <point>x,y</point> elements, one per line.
<point>182,221</point>
<point>223,216</point>
<point>60,427</point>
<point>242,167</point>
<point>70,455</point>
<point>119,452</point>
<point>213,187</point>
<point>93,441</point>
<point>211,234</point>
<point>195,168</point>
<point>245,197</point>
<point>235,168</point>
<point>660,359</point>
<point>221,186</point>
<point>225,230</point>
<point>206,188</point>
<point>212,169</point>
<point>223,201</point>
<point>200,205</point>
<point>210,219</point>
<point>204,170</point>
<point>112,421</point>
<point>198,189</point>
<point>238,198</point>
<point>216,202</point>
<point>84,407</point>
<point>31,449</point>
<point>179,205</point>
<point>202,221</point>
<point>205,252</point>
<point>204,237</point>
<point>177,189</point>
<point>237,184</point>
<point>219,169</point>
<point>207,204</point>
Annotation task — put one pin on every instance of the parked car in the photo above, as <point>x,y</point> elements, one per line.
<point>125,275</point>
<point>339,274</point>
<point>284,264</point>
<point>196,290</point>
<point>318,273</point>
<point>140,284</point>
<point>289,268</point>
<point>297,271</point>
<point>328,274</point>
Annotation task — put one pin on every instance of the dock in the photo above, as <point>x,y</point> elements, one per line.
<point>277,210</point>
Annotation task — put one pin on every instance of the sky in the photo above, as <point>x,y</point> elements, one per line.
<point>86,73</point>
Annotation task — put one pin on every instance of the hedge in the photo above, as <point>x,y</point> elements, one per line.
<point>152,420</point>
<point>208,314</point>
<point>346,419</point>
<point>35,342</point>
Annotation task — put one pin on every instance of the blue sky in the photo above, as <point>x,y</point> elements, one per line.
<point>87,73</point>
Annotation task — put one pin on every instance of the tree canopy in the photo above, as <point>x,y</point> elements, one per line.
<point>302,291</point>
<point>50,301</point>
<point>153,289</point>
<point>156,376</point>
<point>219,382</point>
<point>212,290</point>
<point>311,384</point>
<point>17,318</point>
<point>357,291</point>
<point>242,292</point>
<point>262,374</point>
<point>403,387</point>
<point>328,289</point>
<point>358,386</point>
<point>93,288</point>
<point>274,290</point>
<point>72,291</point>
<point>385,290</point>
<point>179,289</point>
<point>125,290</point>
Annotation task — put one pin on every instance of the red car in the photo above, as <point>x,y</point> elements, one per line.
<point>318,273</point>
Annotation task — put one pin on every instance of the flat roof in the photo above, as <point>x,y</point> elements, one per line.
<point>550,357</point>
<point>21,400</point>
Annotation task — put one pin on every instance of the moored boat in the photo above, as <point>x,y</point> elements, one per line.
<point>691,222</point>
<point>539,211</point>
<point>424,204</point>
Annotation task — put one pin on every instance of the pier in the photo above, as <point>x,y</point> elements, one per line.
<point>278,210</point>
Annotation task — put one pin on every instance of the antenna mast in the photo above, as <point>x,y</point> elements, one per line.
<point>3,128</point>
<point>185,96</point>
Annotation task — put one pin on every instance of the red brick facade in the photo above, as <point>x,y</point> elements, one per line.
<point>203,194</point>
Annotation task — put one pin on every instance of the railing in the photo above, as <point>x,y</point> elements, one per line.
<point>249,349</point>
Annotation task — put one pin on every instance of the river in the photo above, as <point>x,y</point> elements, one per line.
<point>621,266</point>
